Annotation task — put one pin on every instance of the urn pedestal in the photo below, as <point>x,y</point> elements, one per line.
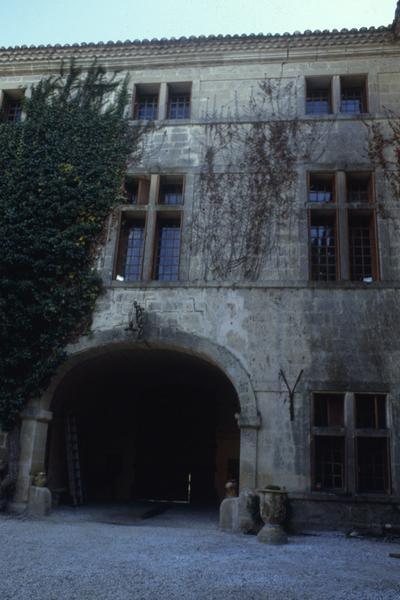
<point>273,502</point>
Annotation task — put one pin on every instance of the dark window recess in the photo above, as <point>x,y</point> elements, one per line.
<point>168,249</point>
<point>137,191</point>
<point>361,247</point>
<point>323,247</point>
<point>372,464</point>
<point>146,107</point>
<point>358,188</point>
<point>179,106</point>
<point>329,462</point>
<point>328,410</point>
<point>370,411</point>
<point>12,107</point>
<point>353,95</point>
<point>321,187</point>
<point>318,96</point>
<point>171,191</point>
<point>130,255</point>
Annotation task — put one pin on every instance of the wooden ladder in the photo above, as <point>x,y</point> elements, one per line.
<point>73,461</point>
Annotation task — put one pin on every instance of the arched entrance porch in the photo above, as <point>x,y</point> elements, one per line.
<point>201,360</point>
<point>143,424</point>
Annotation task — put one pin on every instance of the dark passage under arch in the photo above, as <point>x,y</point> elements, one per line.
<point>150,425</point>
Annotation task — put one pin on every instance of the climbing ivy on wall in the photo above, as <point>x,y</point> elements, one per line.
<point>60,175</point>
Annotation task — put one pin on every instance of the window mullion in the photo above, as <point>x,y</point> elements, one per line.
<point>335,94</point>
<point>149,242</point>
<point>342,229</point>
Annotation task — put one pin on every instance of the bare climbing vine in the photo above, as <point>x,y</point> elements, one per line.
<point>249,178</point>
<point>384,150</point>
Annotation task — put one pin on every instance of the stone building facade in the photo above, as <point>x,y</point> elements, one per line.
<point>257,267</point>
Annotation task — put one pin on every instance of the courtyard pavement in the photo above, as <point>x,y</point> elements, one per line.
<point>92,554</point>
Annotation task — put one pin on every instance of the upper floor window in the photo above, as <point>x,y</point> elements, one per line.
<point>171,190</point>
<point>323,240</point>
<point>149,242</point>
<point>318,95</point>
<point>321,187</point>
<point>11,107</point>
<point>359,187</point>
<point>168,241</point>
<point>342,227</point>
<point>137,190</point>
<point>146,102</point>
<point>179,100</point>
<point>353,94</point>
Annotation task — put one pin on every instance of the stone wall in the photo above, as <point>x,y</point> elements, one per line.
<point>343,335</point>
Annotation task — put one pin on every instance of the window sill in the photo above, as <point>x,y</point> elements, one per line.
<point>263,285</point>
<point>160,122</point>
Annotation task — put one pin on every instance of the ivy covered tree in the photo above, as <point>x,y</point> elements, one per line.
<point>61,170</point>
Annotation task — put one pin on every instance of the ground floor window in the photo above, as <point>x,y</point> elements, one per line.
<point>350,443</point>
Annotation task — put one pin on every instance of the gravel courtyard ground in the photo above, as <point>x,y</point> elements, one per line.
<point>94,555</point>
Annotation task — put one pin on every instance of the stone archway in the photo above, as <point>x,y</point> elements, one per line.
<point>37,415</point>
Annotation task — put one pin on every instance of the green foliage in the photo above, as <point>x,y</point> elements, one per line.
<point>60,175</point>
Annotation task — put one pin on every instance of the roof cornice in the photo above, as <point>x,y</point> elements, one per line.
<point>206,50</point>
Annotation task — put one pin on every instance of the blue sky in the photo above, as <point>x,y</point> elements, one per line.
<point>68,21</point>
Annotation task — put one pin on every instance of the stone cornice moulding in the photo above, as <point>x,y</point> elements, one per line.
<point>206,50</point>
<point>135,63</point>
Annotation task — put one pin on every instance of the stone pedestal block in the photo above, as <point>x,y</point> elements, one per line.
<point>39,502</point>
<point>272,534</point>
<point>229,514</point>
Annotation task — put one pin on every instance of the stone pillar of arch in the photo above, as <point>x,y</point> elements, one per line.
<point>37,415</point>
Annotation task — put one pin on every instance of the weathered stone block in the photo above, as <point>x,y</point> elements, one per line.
<point>229,514</point>
<point>39,502</point>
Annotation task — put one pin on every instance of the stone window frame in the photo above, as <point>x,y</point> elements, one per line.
<point>181,90</point>
<point>11,99</point>
<point>150,211</point>
<point>350,434</point>
<point>340,210</point>
<point>146,94</point>
<point>322,86</point>
<point>335,84</point>
<point>162,91</point>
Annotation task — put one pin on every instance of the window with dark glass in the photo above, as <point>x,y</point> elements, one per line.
<point>363,262</point>
<point>171,190</point>
<point>370,411</point>
<point>323,244</point>
<point>11,109</point>
<point>321,187</point>
<point>328,441</point>
<point>359,188</point>
<point>372,465</point>
<point>150,230</point>
<point>179,100</point>
<point>372,443</point>
<point>350,443</point>
<point>137,190</point>
<point>130,253</point>
<point>146,102</point>
<point>166,267</point>
<point>318,95</point>
<point>328,410</point>
<point>353,94</point>
<point>329,463</point>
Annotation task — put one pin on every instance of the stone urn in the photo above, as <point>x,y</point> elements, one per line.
<point>273,502</point>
